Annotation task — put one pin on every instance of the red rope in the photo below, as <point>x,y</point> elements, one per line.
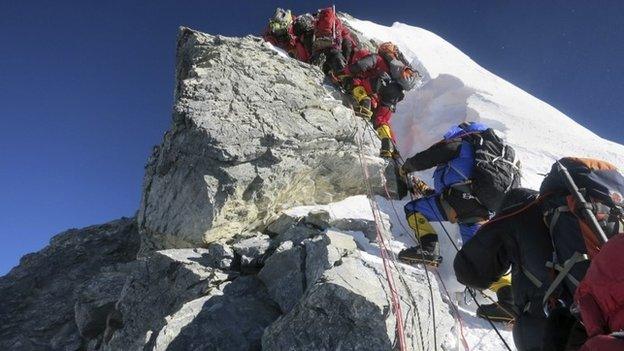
<point>457,315</point>
<point>396,304</point>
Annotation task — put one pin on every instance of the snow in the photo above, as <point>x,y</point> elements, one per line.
<point>456,89</point>
<point>479,335</point>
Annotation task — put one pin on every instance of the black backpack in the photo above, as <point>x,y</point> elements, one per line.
<point>496,169</point>
<point>574,240</point>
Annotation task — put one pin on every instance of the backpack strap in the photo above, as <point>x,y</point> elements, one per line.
<point>555,212</point>
<point>563,273</point>
<point>532,278</point>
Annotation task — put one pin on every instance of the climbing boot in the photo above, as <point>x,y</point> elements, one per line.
<point>363,111</point>
<point>503,310</point>
<point>387,146</point>
<point>428,252</point>
<point>364,105</point>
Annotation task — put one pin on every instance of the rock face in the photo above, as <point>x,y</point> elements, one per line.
<point>338,299</point>
<point>212,263</point>
<point>253,133</point>
<point>37,303</point>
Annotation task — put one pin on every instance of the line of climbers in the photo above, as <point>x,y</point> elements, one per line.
<point>375,81</point>
<point>542,253</point>
<point>550,268</point>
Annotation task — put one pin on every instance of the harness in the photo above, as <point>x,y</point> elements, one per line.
<point>561,271</point>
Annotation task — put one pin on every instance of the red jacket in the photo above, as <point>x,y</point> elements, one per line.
<point>600,295</point>
<point>293,46</point>
<point>370,66</point>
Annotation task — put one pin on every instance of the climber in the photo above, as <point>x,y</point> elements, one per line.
<point>516,235</point>
<point>466,191</point>
<point>600,298</point>
<point>377,82</point>
<point>333,46</point>
<point>293,34</point>
<point>547,241</point>
<point>460,194</point>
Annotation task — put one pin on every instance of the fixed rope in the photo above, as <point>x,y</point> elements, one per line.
<point>372,135</point>
<point>395,301</point>
<point>461,336</point>
<point>406,285</point>
<point>472,293</point>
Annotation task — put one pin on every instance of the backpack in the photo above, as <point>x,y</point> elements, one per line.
<point>325,35</point>
<point>303,24</point>
<point>496,169</point>
<point>600,296</point>
<point>582,206</point>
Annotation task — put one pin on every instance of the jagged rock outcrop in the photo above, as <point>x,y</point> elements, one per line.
<point>253,133</point>
<point>339,299</point>
<point>220,266</point>
<point>157,288</point>
<point>37,303</point>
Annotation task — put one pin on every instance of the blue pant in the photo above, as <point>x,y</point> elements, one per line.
<point>431,209</point>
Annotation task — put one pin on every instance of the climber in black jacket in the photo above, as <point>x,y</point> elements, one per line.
<point>518,237</point>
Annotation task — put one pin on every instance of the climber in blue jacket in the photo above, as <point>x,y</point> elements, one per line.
<point>454,198</point>
<point>451,200</point>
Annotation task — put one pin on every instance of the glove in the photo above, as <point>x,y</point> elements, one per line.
<point>344,80</point>
<point>402,172</point>
<point>317,59</point>
<point>422,188</point>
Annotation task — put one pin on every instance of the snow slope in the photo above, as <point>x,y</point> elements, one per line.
<point>456,89</point>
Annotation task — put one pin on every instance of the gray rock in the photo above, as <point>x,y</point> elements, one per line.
<point>282,223</point>
<point>220,256</point>
<point>318,218</point>
<point>296,234</point>
<point>348,307</point>
<point>284,276</point>
<point>161,284</point>
<point>253,133</point>
<point>356,225</point>
<point>37,304</point>
<point>346,312</point>
<point>233,318</point>
<point>252,252</point>
<point>320,257</point>
<point>96,300</point>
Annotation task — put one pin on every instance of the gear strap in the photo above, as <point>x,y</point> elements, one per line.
<point>563,273</point>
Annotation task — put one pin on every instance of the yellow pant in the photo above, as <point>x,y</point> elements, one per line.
<point>502,282</point>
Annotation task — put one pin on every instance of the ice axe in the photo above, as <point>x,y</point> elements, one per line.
<point>582,204</point>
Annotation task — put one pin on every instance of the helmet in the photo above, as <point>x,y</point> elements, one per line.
<point>303,24</point>
<point>281,21</point>
<point>388,50</point>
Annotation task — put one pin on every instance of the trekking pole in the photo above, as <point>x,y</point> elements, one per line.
<point>584,206</point>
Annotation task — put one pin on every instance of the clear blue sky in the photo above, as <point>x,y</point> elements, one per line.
<point>86,86</point>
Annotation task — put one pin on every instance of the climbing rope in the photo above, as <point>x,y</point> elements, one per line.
<point>472,293</point>
<point>456,313</point>
<point>415,303</point>
<point>372,135</point>
<point>396,304</point>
